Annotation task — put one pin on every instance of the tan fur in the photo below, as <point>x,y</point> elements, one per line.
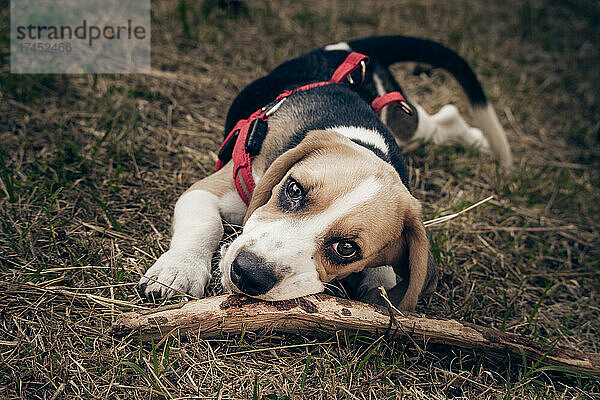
<point>399,241</point>
<point>282,126</point>
<point>418,256</point>
<point>378,237</point>
<point>314,143</point>
<point>388,228</point>
<point>219,183</point>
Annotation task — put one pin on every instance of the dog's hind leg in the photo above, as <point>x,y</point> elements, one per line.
<point>445,127</point>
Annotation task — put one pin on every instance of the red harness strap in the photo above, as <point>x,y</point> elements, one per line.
<point>236,142</point>
<point>351,63</point>
<point>392,97</point>
<point>242,159</point>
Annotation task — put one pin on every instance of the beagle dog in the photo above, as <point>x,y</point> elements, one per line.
<point>328,195</point>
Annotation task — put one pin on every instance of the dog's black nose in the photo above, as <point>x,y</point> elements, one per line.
<point>252,275</point>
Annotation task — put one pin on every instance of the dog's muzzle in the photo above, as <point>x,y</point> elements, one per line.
<point>252,275</point>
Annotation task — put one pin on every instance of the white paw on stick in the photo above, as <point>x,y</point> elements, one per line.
<point>176,272</point>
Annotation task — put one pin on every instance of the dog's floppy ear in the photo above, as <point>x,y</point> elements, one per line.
<point>414,262</point>
<point>314,141</point>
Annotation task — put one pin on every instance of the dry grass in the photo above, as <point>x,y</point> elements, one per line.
<point>91,167</point>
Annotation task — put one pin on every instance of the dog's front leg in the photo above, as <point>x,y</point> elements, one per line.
<point>364,285</point>
<point>197,231</point>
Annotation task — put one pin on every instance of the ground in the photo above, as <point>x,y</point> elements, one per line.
<point>91,166</point>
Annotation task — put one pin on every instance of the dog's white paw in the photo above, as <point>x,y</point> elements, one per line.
<point>450,127</point>
<point>476,140</point>
<point>176,272</point>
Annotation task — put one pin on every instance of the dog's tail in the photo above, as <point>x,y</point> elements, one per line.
<point>392,49</point>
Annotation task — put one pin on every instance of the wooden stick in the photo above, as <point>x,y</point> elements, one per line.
<point>214,316</point>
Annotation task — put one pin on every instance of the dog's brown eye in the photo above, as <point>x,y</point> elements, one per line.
<point>345,248</point>
<point>293,190</point>
<point>340,251</point>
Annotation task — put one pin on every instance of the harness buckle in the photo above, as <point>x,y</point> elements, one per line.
<point>405,107</point>
<point>363,71</point>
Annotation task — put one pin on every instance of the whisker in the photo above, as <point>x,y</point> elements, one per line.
<point>336,288</point>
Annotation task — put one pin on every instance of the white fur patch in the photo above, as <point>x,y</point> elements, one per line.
<point>232,207</point>
<point>426,127</point>
<point>367,136</point>
<point>338,46</point>
<point>289,243</point>
<point>197,230</point>
<point>196,213</point>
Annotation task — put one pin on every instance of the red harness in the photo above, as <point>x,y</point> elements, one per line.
<point>240,146</point>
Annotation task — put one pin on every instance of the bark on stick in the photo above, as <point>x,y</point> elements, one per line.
<point>322,314</point>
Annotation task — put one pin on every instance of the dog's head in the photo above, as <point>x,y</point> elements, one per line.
<point>323,210</point>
